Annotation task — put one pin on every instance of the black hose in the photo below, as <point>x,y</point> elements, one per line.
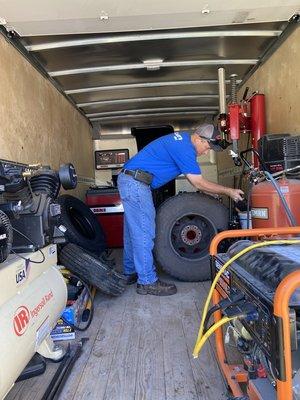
<point>208,315</point>
<point>282,198</point>
<point>223,305</point>
<point>31,242</point>
<point>244,165</point>
<point>249,189</point>
<point>254,151</point>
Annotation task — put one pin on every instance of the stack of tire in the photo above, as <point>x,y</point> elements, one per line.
<point>85,253</point>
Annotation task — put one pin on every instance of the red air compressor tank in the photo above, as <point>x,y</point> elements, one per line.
<point>267,210</point>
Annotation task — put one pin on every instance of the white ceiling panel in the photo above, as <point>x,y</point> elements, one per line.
<point>45,17</point>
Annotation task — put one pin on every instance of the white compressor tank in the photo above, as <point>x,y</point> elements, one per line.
<point>33,295</point>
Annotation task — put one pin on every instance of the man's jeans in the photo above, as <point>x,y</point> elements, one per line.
<point>139,228</point>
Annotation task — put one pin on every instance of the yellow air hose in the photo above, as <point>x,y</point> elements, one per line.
<point>199,342</point>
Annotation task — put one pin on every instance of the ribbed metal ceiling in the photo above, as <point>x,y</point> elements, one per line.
<point>125,79</point>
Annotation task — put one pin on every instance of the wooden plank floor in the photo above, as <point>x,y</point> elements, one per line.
<point>140,348</point>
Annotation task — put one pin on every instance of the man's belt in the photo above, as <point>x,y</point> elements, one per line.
<point>139,175</point>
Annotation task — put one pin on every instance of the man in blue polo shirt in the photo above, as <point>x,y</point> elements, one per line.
<point>156,164</point>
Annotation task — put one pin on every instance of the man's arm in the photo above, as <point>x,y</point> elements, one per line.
<point>206,186</point>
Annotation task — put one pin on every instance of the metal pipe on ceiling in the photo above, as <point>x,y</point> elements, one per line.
<point>162,64</point>
<point>150,36</point>
<point>117,117</point>
<point>145,85</point>
<point>222,90</point>
<point>145,110</point>
<point>144,99</point>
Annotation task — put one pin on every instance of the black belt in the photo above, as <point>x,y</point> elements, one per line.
<point>139,175</point>
<point>128,172</point>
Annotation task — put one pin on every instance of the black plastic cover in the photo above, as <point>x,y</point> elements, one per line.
<point>268,265</point>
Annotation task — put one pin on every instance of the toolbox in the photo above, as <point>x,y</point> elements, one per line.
<point>105,203</point>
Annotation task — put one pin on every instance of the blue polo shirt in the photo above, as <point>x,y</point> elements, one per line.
<point>166,157</point>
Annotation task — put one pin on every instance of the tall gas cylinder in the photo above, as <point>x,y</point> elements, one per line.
<point>257,120</point>
<point>267,210</point>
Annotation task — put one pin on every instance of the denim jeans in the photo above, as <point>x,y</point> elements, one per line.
<point>139,228</point>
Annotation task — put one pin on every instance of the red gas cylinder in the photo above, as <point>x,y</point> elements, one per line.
<point>267,210</point>
<point>257,120</point>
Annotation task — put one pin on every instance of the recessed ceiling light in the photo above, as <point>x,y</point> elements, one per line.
<point>153,64</point>
<point>205,9</point>
<point>104,16</point>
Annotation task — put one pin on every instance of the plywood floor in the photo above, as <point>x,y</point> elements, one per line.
<point>140,348</point>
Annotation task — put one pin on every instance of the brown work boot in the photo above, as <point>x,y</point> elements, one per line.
<point>157,288</point>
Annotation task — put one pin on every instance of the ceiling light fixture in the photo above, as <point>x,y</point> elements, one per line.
<point>153,64</point>
<point>104,16</point>
<point>205,9</point>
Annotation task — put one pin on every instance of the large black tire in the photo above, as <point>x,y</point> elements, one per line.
<point>82,226</point>
<point>92,270</point>
<point>185,225</point>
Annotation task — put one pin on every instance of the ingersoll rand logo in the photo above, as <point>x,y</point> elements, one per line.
<point>23,315</point>
<point>21,320</point>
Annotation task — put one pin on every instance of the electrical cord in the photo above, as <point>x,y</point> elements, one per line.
<point>199,345</point>
<point>34,244</point>
<point>91,314</point>
<point>222,269</point>
<point>223,305</point>
<point>282,198</point>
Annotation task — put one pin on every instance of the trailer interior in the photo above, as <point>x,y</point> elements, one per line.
<point>84,86</point>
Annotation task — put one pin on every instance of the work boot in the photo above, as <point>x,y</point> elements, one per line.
<point>157,288</point>
<point>131,279</point>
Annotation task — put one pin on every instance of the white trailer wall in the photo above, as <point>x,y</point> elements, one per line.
<point>37,124</point>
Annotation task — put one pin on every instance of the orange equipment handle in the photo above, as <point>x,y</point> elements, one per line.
<point>281,301</point>
<point>281,310</point>
<point>291,230</point>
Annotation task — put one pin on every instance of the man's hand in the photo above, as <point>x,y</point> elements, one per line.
<point>210,187</point>
<point>236,194</point>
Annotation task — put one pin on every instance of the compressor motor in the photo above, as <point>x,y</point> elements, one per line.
<point>28,196</point>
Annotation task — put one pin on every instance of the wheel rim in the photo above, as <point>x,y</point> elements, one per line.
<point>190,236</point>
